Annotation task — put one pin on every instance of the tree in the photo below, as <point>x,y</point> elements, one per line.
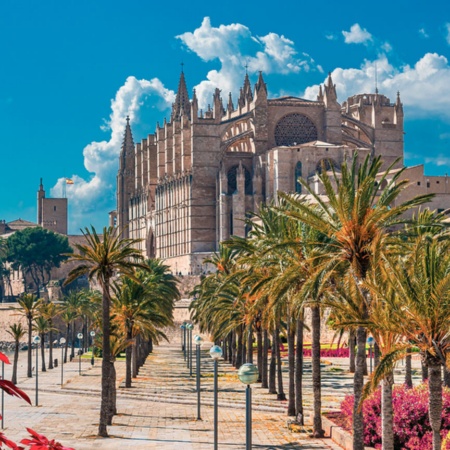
<point>422,281</point>
<point>101,258</point>
<point>355,217</point>
<point>42,327</point>
<point>29,305</point>
<point>36,251</point>
<point>49,311</point>
<point>17,332</point>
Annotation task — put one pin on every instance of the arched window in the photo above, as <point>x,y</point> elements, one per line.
<point>298,174</point>
<point>232,181</point>
<point>295,129</point>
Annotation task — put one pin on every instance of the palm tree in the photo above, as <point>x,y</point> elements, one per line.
<point>102,257</point>
<point>42,327</point>
<point>142,309</point>
<point>68,317</point>
<point>17,332</point>
<point>29,305</point>
<point>49,311</point>
<point>422,281</point>
<point>359,212</point>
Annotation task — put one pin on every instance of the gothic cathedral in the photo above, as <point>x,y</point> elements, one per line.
<point>191,184</point>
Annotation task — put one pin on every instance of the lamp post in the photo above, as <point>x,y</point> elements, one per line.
<point>189,362</point>
<point>80,338</point>
<point>92,333</point>
<point>62,341</point>
<point>248,374</point>
<point>216,354</point>
<point>36,340</point>
<point>183,339</point>
<point>370,341</point>
<point>198,343</point>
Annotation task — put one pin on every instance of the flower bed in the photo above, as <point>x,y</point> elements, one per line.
<point>411,424</point>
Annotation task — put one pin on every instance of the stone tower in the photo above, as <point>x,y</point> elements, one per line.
<point>52,212</point>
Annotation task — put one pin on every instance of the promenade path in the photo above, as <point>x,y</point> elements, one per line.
<point>160,411</point>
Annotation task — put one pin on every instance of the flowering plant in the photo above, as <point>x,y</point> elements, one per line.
<point>411,425</point>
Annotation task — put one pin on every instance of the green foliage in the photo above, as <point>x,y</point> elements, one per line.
<point>37,251</point>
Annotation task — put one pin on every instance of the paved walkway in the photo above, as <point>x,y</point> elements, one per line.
<point>159,412</point>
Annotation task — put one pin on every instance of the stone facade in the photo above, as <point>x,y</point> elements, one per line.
<point>52,212</point>
<point>192,183</point>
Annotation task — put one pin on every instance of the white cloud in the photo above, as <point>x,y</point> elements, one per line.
<point>447,34</point>
<point>356,35</point>
<point>330,37</point>
<point>235,46</point>
<point>439,160</point>
<point>424,33</point>
<point>87,196</point>
<point>423,87</point>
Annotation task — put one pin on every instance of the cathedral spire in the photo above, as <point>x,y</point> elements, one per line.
<point>127,150</point>
<point>247,89</point>
<point>330,95</point>
<point>230,106</point>
<point>260,84</point>
<point>182,99</point>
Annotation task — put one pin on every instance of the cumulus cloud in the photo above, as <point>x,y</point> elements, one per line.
<point>356,35</point>
<point>440,160</point>
<point>424,86</point>
<point>235,46</point>
<point>447,33</point>
<point>87,196</point>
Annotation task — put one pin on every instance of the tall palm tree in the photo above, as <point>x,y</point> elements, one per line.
<point>142,309</point>
<point>49,311</point>
<point>17,332</point>
<point>356,216</point>
<point>29,308</point>
<point>422,281</point>
<point>42,327</point>
<point>101,258</point>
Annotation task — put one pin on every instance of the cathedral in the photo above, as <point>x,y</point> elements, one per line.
<point>192,183</point>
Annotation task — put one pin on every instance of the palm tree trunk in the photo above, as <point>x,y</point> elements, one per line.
<point>299,373</point>
<point>105,406</point>
<point>387,414</point>
<point>259,352</point>
<point>239,348</point>
<point>16,359</point>
<point>291,361</point>
<point>50,347</point>
<point>112,395</point>
<point>72,351</point>
<point>272,368</point>
<point>281,395</point>
<point>67,342</point>
<point>30,331</point>
<point>43,368</point>
<point>316,376</point>
<point>225,348</point>
<point>351,350</point>
<point>435,402</point>
<point>233,349</point>
<point>134,358</point>
<point>128,355</point>
<point>265,356</point>
<point>408,368</point>
<point>358,384</point>
<point>250,344</point>
<point>424,372</point>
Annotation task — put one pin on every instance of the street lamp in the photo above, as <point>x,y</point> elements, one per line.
<point>370,341</point>
<point>80,338</point>
<point>198,343</point>
<point>189,362</point>
<point>183,339</point>
<point>62,341</point>
<point>248,374</point>
<point>92,333</point>
<point>216,354</point>
<point>36,340</point>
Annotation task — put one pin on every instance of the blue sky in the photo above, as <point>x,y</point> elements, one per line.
<point>72,70</point>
